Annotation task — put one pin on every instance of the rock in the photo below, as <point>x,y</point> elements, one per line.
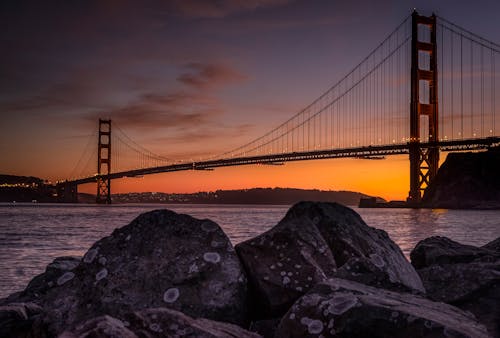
<point>493,245</point>
<point>155,322</point>
<point>342,308</point>
<point>442,250</point>
<point>462,275</point>
<point>283,263</point>
<point>21,320</point>
<point>362,253</point>
<point>40,284</point>
<point>161,259</point>
<point>315,241</point>
<point>466,180</point>
<point>100,327</point>
<point>265,327</point>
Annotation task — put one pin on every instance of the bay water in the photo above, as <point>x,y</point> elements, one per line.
<point>32,235</point>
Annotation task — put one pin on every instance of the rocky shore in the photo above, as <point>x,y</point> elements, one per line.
<point>320,272</point>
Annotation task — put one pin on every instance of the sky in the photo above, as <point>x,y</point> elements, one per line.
<point>192,78</point>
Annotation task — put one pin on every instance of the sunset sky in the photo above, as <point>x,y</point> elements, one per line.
<point>193,78</point>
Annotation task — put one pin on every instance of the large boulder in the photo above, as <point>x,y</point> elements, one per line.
<point>283,263</point>
<point>313,242</point>
<point>462,275</point>
<point>342,308</point>
<point>155,322</point>
<point>161,259</point>
<point>442,250</point>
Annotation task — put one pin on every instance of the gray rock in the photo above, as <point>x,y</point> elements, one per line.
<point>156,322</point>
<point>283,263</point>
<point>342,308</point>
<point>315,241</point>
<point>362,253</point>
<point>442,250</point>
<point>161,259</point>
<point>493,245</point>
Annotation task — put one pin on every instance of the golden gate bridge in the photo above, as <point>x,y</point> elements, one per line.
<point>429,86</point>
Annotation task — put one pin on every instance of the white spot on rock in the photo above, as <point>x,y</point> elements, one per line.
<point>286,280</point>
<point>90,255</point>
<point>339,304</point>
<point>155,327</point>
<point>314,326</point>
<point>102,260</point>
<point>292,316</point>
<point>171,295</point>
<point>377,260</point>
<point>101,274</point>
<point>193,268</point>
<point>128,237</point>
<point>67,276</point>
<point>211,257</point>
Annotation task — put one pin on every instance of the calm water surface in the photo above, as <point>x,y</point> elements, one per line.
<point>32,235</point>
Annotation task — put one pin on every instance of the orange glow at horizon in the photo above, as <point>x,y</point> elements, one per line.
<point>387,178</point>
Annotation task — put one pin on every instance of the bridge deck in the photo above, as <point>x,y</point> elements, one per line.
<point>367,151</point>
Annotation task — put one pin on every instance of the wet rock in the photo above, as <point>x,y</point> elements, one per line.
<point>283,263</point>
<point>156,322</point>
<point>442,250</point>
<point>315,241</point>
<point>462,275</point>
<point>493,245</point>
<point>21,320</point>
<point>342,308</point>
<point>161,259</point>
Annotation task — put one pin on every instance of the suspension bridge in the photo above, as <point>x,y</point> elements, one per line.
<point>430,86</point>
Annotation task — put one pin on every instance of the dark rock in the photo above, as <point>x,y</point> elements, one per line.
<point>462,275</point>
<point>40,284</point>
<point>161,259</point>
<point>283,263</point>
<point>265,327</point>
<point>315,241</point>
<point>466,180</point>
<point>362,253</point>
<point>156,322</point>
<point>442,250</point>
<point>21,320</point>
<point>493,245</point>
<point>342,308</point>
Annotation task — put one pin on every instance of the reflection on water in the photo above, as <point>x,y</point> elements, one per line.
<point>31,236</point>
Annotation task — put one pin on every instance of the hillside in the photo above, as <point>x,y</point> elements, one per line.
<point>466,181</point>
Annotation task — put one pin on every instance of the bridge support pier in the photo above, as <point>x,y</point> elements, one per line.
<point>104,163</point>
<point>67,192</point>
<point>424,162</point>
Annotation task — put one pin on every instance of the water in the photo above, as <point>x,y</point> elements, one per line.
<point>32,235</point>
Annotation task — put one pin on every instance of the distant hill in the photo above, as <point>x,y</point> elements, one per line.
<point>285,196</point>
<point>466,181</point>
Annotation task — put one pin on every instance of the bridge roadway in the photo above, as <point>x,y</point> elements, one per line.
<point>358,152</point>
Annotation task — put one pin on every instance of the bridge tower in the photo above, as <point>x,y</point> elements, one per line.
<point>424,161</point>
<point>104,163</point>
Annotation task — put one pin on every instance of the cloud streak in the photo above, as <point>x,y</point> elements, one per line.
<point>220,8</point>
